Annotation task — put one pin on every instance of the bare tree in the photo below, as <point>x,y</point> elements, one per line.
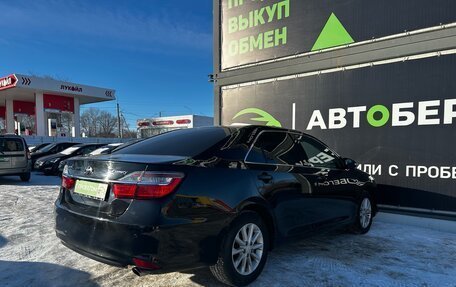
<point>107,123</point>
<point>90,122</point>
<point>66,122</point>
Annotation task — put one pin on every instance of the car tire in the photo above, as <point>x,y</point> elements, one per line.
<point>240,265</point>
<point>25,177</point>
<point>364,214</point>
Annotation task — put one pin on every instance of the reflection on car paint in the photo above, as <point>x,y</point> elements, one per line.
<point>343,181</point>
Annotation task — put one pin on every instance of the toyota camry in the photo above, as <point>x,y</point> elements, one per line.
<point>217,197</point>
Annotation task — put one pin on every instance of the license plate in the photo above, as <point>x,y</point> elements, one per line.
<point>4,159</point>
<point>91,189</point>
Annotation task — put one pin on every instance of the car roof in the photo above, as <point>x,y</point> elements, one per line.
<point>87,144</point>
<point>11,136</point>
<point>252,127</point>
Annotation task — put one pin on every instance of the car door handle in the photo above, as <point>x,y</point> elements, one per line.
<point>266,177</point>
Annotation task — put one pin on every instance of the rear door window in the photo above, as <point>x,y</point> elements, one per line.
<point>276,147</point>
<point>11,145</point>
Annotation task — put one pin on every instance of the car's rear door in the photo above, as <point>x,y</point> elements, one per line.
<point>284,182</point>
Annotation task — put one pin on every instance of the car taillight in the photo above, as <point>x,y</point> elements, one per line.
<point>28,154</point>
<point>146,185</point>
<point>68,182</point>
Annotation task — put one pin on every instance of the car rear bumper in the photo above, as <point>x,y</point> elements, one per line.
<point>109,242</point>
<point>170,247</point>
<point>14,171</point>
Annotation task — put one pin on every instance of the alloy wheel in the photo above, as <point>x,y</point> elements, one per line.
<point>247,249</point>
<point>365,213</point>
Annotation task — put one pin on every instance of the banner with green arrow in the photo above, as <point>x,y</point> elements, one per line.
<point>254,31</point>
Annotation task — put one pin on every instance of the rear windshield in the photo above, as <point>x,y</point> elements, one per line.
<point>188,142</point>
<point>11,145</point>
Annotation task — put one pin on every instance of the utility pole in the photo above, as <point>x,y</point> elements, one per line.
<point>118,121</point>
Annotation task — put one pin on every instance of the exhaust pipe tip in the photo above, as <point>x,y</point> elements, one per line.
<point>137,271</point>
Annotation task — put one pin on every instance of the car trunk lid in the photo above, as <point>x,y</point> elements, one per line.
<point>106,186</point>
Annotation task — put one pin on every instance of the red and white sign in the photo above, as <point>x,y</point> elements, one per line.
<point>163,123</point>
<point>8,82</point>
<point>23,108</point>
<point>54,103</point>
<point>184,122</point>
<point>143,124</point>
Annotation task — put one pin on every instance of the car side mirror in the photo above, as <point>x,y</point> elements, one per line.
<point>350,164</point>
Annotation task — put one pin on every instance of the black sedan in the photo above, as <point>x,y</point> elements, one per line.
<point>50,164</point>
<point>106,149</point>
<point>221,197</point>
<point>50,149</point>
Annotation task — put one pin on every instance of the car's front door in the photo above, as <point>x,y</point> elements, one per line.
<point>335,188</point>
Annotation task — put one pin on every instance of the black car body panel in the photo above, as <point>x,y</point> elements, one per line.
<point>38,147</point>
<point>50,163</point>
<point>49,150</point>
<point>227,175</point>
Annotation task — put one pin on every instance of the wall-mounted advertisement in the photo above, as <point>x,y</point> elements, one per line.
<point>397,120</point>
<point>256,30</point>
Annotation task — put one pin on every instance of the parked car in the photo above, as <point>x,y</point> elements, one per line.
<point>129,143</point>
<point>14,157</point>
<point>38,147</point>
<point>50,149</point>
<point>50,164</point>
<point>221,197</point>
<point>106,149</point>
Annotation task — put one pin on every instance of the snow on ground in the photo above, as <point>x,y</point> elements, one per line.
<point>390,255</point>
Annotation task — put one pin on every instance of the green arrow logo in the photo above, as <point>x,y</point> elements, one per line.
<point>332,35</point>
<point>265,117</point>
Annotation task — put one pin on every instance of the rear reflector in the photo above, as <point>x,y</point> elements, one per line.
<point>146,185</point>
<point>67,182</point>
<point>145,264</point>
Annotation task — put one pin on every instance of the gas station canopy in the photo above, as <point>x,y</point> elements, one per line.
<point>22,95</point>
